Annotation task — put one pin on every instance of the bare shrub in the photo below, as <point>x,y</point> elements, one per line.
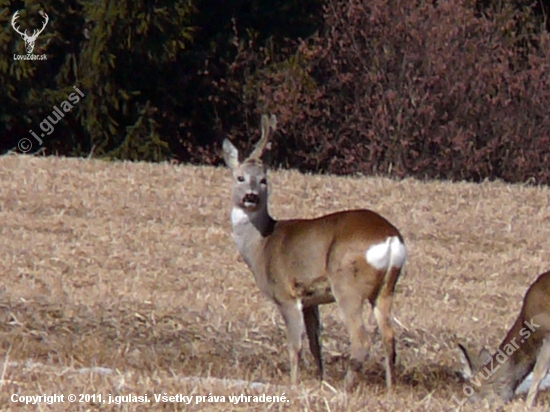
<point>413,88</point>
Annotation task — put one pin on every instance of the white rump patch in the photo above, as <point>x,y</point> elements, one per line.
<point>398,252</point>
<point>378,255</point>
<point>392,250</point>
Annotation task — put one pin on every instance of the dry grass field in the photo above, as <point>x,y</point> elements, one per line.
<point>122,278</point>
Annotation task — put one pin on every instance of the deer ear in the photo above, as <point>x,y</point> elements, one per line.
<point>484,355</point>
<point>230,154</point>
<point>466,361</point>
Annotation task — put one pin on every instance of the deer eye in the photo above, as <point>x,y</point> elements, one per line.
<point>263,181</point>
<point>240,179</point>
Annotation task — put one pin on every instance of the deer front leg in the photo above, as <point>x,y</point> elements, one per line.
<point>539,372</point>
<point>313,329</point>
<point>294,321</point>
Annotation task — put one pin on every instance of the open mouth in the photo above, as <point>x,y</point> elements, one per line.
<point>251,200</point>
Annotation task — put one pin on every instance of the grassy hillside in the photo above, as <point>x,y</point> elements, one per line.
<point>131,267</point>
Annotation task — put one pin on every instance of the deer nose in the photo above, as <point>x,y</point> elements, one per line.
<point>251,198</point>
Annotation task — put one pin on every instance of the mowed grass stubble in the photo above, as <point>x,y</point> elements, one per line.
<point>131,267</point>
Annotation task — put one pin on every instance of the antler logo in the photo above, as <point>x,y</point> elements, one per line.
<point>29,40</point>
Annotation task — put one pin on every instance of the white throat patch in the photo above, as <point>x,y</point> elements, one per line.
<point>239,217</point>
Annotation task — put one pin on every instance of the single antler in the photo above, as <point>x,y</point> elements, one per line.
<point>15,16</point>
<point>37,32</point>
<point>267,124</point>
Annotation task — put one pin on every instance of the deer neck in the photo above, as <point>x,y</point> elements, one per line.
<point>501,379</point>
<point>250,232</point>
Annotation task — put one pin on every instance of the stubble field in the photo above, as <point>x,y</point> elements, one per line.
<point>122,279</point>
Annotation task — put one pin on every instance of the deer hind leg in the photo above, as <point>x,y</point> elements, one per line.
<point>352,309</point>
<point>294,321</point>
<point>539,372</point>
<point>382,313</point>
<point>313,329</point>
<point>348,294</point>
<point>382,310</point>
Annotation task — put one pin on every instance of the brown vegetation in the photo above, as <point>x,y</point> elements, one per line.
<point>131,266</point>
<point>416,89</point>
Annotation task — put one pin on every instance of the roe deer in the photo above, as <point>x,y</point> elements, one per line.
<point>347,257</point>
<point>525,348</point>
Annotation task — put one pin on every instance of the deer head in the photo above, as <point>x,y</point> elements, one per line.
<point>250,176</point>
<point>29,40</point>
